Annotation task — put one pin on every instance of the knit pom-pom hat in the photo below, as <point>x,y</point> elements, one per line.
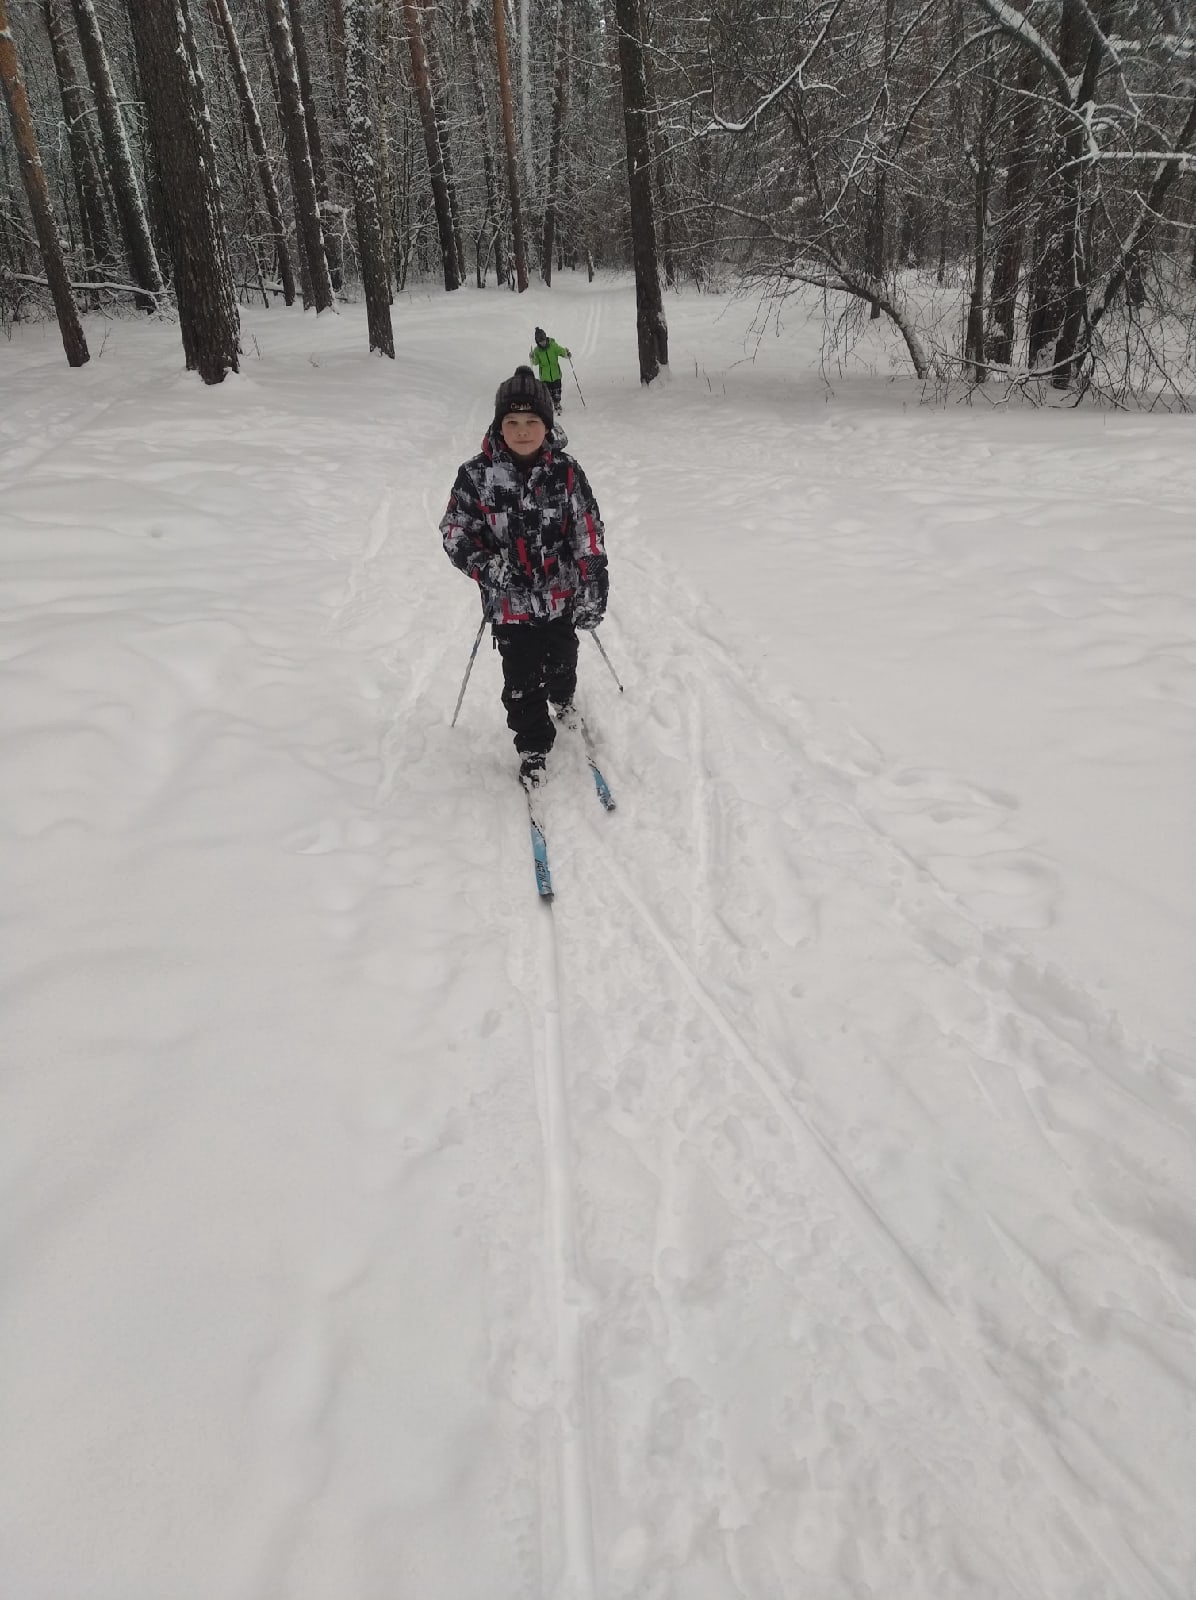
<point>523,391</point>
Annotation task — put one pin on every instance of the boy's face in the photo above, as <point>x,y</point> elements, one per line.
<point>523,433</point>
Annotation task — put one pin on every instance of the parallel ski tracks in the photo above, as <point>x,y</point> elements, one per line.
<point>1093,1523</point>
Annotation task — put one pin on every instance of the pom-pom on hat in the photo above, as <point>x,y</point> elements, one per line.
<point>522,392</point>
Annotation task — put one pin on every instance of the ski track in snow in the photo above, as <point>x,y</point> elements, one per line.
<point>764,1218</point>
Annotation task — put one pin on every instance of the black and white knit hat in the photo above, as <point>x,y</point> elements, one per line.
<point>522,392</point>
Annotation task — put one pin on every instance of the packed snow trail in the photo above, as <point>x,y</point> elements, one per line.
<point>570,1294</point>
<point>803,1204</point>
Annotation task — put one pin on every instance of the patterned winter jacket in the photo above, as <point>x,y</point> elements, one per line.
<point>532,542</point>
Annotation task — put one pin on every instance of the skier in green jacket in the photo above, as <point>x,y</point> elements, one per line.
<point>547,353</point>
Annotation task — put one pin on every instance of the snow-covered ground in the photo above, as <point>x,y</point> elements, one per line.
<point>804,1206</point>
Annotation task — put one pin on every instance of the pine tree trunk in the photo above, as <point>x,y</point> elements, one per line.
<point>381,101</point>
<point>89,185</point>
<point>365,182</point>
<point>436,78</point>
<point>177,115</point>
<point>199,93</point>
<point>508,122</point>
<point>317,281</point>
<point>427,117</point>
<point>143,259</point>
<point>37,192</point>
<point>528,119</point>
<point>223,21</point>
<point>651,328</point>
<point>329,215</point>
<point>482,115</point>
<point>560,107</point>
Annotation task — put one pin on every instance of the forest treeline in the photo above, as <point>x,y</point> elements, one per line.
<point>1030,166</point>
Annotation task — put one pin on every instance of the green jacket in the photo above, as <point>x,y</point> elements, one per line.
<point>548,360</point>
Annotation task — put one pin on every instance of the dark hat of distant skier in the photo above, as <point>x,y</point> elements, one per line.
<point>540,336</point>
<point>523,391</point>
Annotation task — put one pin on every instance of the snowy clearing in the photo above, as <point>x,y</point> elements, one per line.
<point>805,1204</point>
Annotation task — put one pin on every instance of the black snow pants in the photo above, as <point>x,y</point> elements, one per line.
<point>539,664</point>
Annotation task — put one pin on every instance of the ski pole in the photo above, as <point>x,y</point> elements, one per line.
<point>469,668</point>
<point>573,370</point>
<point>605,657</point>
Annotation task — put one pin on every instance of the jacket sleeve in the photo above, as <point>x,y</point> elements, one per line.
<point>468,538</point>
<point>589,545</point>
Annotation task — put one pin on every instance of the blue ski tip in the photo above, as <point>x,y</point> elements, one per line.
<point>603,789</point>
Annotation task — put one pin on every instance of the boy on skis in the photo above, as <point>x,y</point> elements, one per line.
<point>547,353</point>
<point>523,523</point>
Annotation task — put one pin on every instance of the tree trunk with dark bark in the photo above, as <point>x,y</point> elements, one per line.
<point>315,145</point>
<point>89,182</point>
<point>1079,43</point>
<point>317,281</point>
<point>489,173</point>
<point>381,112</point>
<point>436,79</point>
<point>663,181</point>
<point>508,123</point>
<point>560,106</point>
<point>358,37</point>
<point>177,118</point>
<point>976,335</point>
<point>651,328</point>
<point>1019,186</point>
<point>33,176</point>
<point>143,259</point>
<point>436,173</point>
<point>223,21</point>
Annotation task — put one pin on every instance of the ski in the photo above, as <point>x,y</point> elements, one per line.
<point>575,720</point>
<point>601,787</point>
<point>539,849</point>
